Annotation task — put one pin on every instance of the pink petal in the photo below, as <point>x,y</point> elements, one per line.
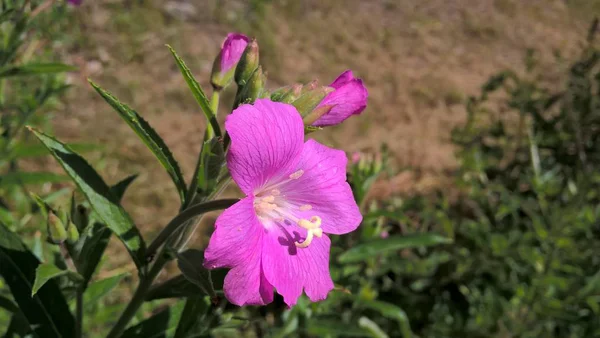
<point>323,186</point>
<point>341,80</point>
<point>236,243</point>
<point>266,141</point>
<point>232,50</point>
<point>350,99</point>
<point>290,269</point>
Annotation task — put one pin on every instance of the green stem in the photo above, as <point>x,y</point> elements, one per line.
<point>79,313</point>
<point>214,106</point>
<point>182,218</point>
<point>138,299</point>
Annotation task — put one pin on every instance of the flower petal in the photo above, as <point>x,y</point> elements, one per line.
<point>236,243</point>
<point>349,98</point>
<point>266,139</point>
<point>232,50</point>
<point>341,80</point>
<point>323,186</point>
<point>290,269</point>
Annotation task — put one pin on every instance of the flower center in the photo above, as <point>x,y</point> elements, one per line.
<point>271,206</point>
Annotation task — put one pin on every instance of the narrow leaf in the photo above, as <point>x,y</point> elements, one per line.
<point>98,194</point>
<point>198,92</point>
<point>46,272</point>
<point>372,327</point>
<point>389,311</point>
<point>37,150</point>
<point>26,178</point>
<point>212,159</point>
<point>190,264</point>
<point>162,324</point>
<point>47,312</point>
<point>330,328</point>
<point>119,189</point>
<point>101,288</point>
<point>150,138</point>
<point>379,246</point>
<point>95,241</point>
<point>194,317</point>
<point>35,69</point>
<point>176,287</point>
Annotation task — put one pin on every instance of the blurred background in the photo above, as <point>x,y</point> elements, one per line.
<point>482,126</point>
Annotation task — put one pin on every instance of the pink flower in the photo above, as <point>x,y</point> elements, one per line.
<point>232,50</point>
<point>75,2</point>
<point>349,98</point>
<point>296,194</point>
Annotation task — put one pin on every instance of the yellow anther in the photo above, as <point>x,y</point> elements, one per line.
<point>306,224</point>
<point>305,207</point>
<point>307,240</point>
<point>275,192</point>
<point>269,198</point>
<point>297,174</point>
<point>318,232</point>
<point>316,220</point>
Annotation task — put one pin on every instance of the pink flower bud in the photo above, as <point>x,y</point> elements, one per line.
<point>349,98</point>
<point>224,66</point>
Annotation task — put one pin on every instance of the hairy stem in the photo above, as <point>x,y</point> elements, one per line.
<point>182,218</point>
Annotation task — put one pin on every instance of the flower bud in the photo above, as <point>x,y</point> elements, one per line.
<point>79,216</point>
<point>224,65</point>
<point>72,233</point>
<point>287,94</point>
<point>56,229</point>
<point>308,101</point>
<point>253,89</point>
<point>349,98</point>
<point>248,63</point>
<point>314,115</point>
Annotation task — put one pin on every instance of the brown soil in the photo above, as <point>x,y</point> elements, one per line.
<point>420,59</point>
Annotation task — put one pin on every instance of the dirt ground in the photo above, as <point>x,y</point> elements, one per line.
<point>420,59</point>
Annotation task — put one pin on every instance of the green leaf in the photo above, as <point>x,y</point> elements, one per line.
<point>190,264</point>
<point>35,69</point>
<point>149,137</point>
<point>26,178</point>
<point>372,327</point>
<point>8,305</point>
<point>176,287</point>
<point>212,159</point>
<point>98,289</point>
<point>119,189</point>
<point>47,312</point>
<point>162,324</point>
<point>94,242</point>
<point>193,321</point>
<point>37,150</point>
<point>46,272</point>
<point>99,195</point>
<point>198,92</point>
<point>389,311</point>
<point>360,252</point>
<point>330,328</point>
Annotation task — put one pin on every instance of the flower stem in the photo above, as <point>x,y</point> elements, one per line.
<point>214,106</point>
<point>138,299</point>
<point>79,313</point>
<point>182,218</point>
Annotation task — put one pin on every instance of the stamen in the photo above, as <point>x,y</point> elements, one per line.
<point>307,240</point>
<point>269,199</point>
<point>275,192</point>
<point>297,174</point>
<point>305,207</point>
<point>318,232</point>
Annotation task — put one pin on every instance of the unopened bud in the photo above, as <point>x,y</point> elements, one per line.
<point>248,63</point>
<point>79,216</point>
<point>56,229</point>
<point>314,115</point>
<point>287,94</point>
<point>72,233</point>
<point>308,101</point>
<point>225,63</point>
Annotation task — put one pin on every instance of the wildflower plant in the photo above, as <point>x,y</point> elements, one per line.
<point>274,243</point>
